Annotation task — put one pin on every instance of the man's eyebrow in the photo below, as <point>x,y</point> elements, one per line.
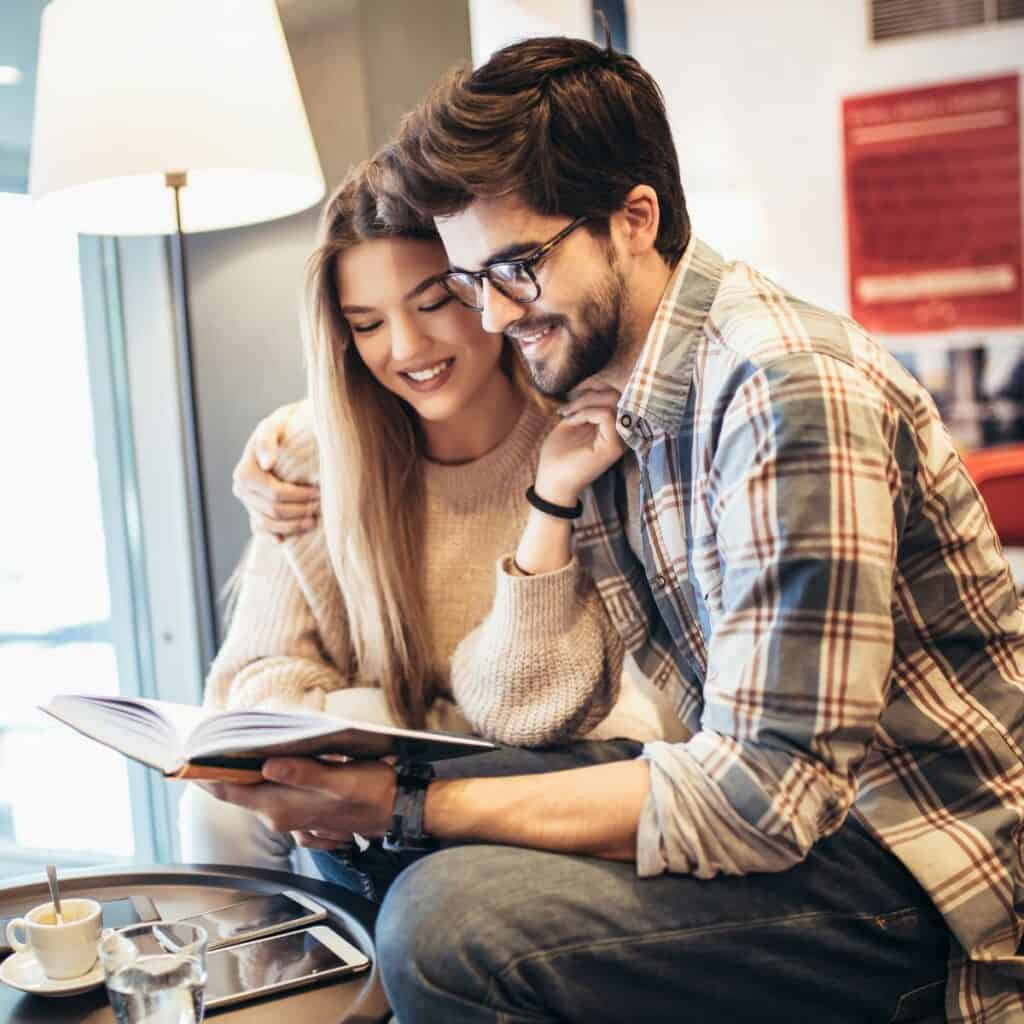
<point>427,282</point>
<point>511,252</point>
<point>508,252</point>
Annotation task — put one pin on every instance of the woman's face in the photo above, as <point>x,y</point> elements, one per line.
<point>413,337</point>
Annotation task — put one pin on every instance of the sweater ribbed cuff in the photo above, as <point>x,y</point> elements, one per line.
<point>540,604</point>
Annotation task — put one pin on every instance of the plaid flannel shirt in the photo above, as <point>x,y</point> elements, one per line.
<point>824,598</point>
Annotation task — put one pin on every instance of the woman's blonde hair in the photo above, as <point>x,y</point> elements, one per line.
<point>371,479</point>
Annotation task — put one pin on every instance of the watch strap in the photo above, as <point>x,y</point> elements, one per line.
<point>407,832</point>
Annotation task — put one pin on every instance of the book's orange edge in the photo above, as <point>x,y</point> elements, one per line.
<point>211,773</point>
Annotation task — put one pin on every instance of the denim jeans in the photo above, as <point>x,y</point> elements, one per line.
<point>478,933</point>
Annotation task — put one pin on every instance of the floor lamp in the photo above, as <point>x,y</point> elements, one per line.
<point>157,118</point>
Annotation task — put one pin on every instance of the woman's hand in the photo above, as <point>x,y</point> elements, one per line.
<point>581,447</point>
<point>274,506</point>
<point>573,456</point>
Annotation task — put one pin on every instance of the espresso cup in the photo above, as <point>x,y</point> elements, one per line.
<point>66,950</point>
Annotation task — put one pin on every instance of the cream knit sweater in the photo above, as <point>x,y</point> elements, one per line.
<point>533,660</point>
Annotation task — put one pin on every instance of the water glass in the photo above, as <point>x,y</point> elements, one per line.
<point>156,973</point>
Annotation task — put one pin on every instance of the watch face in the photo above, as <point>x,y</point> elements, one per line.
<point>416,775</point>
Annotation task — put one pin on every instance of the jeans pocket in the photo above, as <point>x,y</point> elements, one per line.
<point>926,1003</point>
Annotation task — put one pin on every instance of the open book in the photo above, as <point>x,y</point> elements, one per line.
<point>187,742</point>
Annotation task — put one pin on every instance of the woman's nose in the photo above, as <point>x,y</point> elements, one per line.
<point>407,341</point>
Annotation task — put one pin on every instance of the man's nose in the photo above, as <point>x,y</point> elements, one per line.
<point>499,310</point>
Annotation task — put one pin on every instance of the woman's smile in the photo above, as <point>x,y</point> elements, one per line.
<point>430,377</point>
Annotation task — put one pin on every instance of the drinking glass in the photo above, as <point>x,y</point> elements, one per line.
<point>156,973</point>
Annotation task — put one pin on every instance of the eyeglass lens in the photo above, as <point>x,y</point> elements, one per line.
<point>512,279</point>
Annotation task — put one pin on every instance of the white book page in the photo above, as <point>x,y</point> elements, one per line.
<point>253,731</point>
<point>247,728</point>
<point>136,728</point>
<point>165,735</point>
<point>183,717</point>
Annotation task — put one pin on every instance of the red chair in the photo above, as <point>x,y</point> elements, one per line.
<point>999,476</point>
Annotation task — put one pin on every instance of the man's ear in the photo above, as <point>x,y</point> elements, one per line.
<point>638,219</point>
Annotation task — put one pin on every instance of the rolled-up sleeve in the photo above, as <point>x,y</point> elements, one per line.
<point>806,499</point>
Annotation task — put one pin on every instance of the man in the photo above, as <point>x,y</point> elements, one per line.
<point>793,553</point>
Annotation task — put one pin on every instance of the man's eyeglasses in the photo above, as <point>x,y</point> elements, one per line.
<point>515,279</point>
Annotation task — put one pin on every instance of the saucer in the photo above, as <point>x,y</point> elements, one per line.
<point>23,971</point>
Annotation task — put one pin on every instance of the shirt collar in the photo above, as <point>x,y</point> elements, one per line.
<point>655,395</point>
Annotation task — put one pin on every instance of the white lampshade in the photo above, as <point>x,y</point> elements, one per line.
<point>129,90</point>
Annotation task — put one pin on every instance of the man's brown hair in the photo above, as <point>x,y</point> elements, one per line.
<point>569,126</point>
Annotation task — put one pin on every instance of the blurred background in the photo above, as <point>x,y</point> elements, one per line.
<point>98,509</point>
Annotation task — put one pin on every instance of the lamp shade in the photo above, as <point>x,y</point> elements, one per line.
<point>129,90</point>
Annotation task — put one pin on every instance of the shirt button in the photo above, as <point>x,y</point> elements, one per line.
<point>659,580</point>
<point>626,420</point>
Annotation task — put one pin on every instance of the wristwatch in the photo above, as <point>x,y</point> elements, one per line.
<point>406,832</point>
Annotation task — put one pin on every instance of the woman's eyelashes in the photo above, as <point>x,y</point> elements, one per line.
<point>366,328</point>
<point>430,308</point>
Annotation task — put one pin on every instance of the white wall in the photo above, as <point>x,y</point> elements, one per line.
<point>753,90</point>
<point>495,23</point>
<point>406,45</point>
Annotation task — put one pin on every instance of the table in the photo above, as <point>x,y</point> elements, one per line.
<point>179,891</point>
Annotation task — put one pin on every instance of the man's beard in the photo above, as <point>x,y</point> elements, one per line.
<point>588,350</point>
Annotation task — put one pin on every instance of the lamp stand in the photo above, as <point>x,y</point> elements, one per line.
<point>206,602</point>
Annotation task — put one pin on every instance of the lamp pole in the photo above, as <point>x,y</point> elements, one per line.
<point>206,601</point>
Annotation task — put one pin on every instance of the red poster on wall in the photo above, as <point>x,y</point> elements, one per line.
<point>933,207</point>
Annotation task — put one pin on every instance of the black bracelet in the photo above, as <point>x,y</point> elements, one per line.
<point>551,509</point>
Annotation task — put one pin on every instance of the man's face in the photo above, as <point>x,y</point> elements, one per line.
<point>571,331</point>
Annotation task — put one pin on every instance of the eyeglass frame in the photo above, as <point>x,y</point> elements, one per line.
<point>527,263</point>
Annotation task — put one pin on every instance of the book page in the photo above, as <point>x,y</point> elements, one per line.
<point>184,718</point>
<point>133,727</point>
<point>249,728</point>
<point>249,733</point>
<point>184,740</point>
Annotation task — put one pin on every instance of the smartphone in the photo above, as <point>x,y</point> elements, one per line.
<point>280,962</point>
<point>258,916</point>
<point>116,914</point>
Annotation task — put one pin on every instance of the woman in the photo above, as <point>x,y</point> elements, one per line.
<point>424,437</point>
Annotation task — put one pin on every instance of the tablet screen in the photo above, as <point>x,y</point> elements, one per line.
<point>248,916</point>
<point>267,962</point>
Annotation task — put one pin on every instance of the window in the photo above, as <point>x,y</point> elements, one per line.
<point>60,795</point>
<point>79,395</point>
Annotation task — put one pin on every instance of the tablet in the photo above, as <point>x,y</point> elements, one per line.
<point>257,916</point>
<point>281,962</point>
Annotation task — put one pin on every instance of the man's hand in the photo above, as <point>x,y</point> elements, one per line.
<point>274,506</point>
<point>582,446</point>
<point>321,804</point>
